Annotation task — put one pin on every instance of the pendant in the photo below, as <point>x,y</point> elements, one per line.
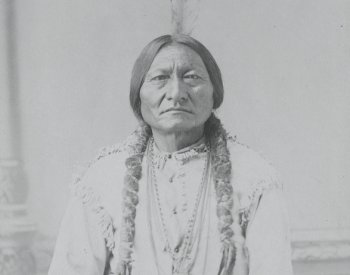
<point>179,273</point>
<point>175,211</point>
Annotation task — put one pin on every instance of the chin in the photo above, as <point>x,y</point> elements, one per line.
<point>177,126</point>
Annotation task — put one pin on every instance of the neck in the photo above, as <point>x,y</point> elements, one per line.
<point>174,141</point>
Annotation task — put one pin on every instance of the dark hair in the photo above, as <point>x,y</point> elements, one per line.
<point>145,59</point>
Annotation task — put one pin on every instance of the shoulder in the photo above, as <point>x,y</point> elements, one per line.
<point>252,174</point>
<point>98,186</point>
<point>107,164</point>
<point>99,183</point>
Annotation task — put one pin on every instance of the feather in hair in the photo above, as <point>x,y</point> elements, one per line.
<point>184,14</point>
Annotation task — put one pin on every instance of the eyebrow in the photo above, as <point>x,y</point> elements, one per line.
<point>150,74</point>
<point>160,70</point>
<point>194,67</point>
<point>184,69</point>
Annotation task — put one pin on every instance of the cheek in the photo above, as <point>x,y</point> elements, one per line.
<point>148,104</point>
<point>148,96</point>
<point>145,107</point>
<point>206,100</point>
<point>144,98</point>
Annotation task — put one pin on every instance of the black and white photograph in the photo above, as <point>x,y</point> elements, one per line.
<point>175,137</point>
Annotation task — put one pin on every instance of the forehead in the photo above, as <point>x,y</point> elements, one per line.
<point>179,55</point>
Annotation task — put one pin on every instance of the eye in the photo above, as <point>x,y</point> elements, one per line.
<point>160,77</point>
<point>192,76</point>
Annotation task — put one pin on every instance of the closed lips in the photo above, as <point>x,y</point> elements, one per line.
<point>176,109</point>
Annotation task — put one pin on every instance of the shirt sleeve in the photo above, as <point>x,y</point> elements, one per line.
<point>267,240</point>
<point>80,246</point>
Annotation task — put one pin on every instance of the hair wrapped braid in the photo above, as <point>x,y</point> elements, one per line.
<point>137,147</point>
<point>221,164</point>
<point>224,192</point>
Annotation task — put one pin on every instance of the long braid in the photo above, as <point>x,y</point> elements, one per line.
<point>224,191</point>
<point>137,147</point>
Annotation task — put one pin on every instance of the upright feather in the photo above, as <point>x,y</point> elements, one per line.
<point>184,14</point>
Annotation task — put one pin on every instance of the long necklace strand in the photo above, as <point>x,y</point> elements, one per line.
<point>177,260</point>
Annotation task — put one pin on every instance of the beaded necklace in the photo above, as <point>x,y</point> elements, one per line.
<point>186,244</point>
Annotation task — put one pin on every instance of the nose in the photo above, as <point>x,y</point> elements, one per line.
<point>177,90</point>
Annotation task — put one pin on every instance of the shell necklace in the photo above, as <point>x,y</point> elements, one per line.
<point>181,252</point>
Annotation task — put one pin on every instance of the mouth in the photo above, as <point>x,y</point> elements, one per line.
<point>176,110</point>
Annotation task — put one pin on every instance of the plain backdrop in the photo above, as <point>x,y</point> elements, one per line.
<point>286,71</point>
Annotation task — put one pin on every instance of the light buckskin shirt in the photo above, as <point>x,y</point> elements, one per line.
<point>88,240</point>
